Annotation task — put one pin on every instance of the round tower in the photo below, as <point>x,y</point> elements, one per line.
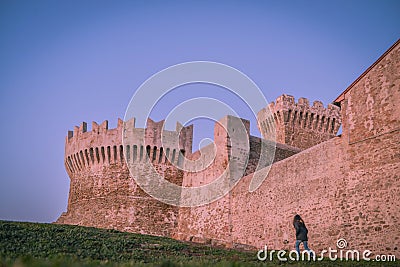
<point>102,191</point>
<point>298,124</point>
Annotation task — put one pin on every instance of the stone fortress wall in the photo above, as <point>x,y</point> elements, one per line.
<point>345,186</point>
<point>102,192</point>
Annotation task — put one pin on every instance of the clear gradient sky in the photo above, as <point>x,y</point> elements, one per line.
<point>64,62</point>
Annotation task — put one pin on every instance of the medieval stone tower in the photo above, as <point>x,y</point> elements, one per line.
<point>298,124</point>
<point>102,191</point>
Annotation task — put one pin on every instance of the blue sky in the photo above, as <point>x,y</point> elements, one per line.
<point>64,62</point>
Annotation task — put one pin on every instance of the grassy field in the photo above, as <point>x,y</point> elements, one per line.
<point>34,244</point>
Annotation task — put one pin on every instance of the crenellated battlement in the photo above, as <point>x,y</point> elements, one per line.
<point>298,124</point>
<point>104,146</point>
<point>101,163</point>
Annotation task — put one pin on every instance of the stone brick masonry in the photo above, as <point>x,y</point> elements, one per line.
<point>345,186</point>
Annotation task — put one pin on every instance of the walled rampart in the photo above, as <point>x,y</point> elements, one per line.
<point>346,186</point>
<point>212,223</point>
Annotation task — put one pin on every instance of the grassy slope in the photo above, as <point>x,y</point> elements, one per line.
<point>33,244</point>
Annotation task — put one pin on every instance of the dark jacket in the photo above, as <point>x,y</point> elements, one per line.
<point>301,230</point>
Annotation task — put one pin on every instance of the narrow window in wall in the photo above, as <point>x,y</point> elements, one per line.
<point>82,158</point>
<point>76,162</point>
<point>103,156</point>
<point>87,157</point>
<point>289,114</point>
<point>128,153</point>
<point>154,154</point>
<point>81,163</point>
<point>121,153</point>
<point>108,153</point>
<point>67,165</point>
<point>316,122</point>
<point>141,153</point>
<point>305,120</point>
<point>160,158</point>
<point>115,153</point>
<point>70,164</point>
<point>279,116</point>
<point>91,154</point>
<point>311,121</point>
<point>97,155</point>
<point>73,163</point>
<point>134,153</point>
<point>147,153</point>
<point>294,118</point>
<point>333,125</point>
<point>300,117</point>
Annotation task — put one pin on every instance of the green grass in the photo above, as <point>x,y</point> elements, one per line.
<point>34,244</point>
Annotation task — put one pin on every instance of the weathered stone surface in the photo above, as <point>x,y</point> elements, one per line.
<point>346,186</point>
<point>102,191</point>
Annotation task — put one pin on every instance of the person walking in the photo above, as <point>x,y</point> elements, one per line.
<point>301,234</point>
